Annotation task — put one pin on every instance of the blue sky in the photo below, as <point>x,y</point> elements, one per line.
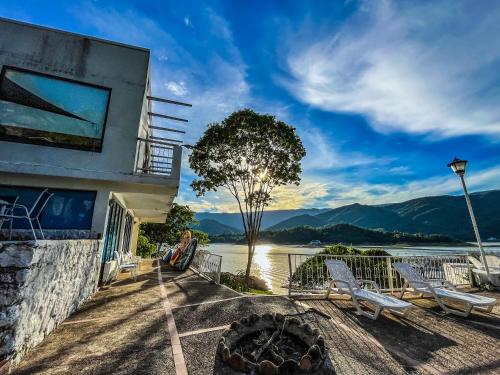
<point>382,93</point>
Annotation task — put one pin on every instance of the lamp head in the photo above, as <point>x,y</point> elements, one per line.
<point>458,166</point>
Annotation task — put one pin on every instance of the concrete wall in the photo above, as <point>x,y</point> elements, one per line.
<point>40,286</point>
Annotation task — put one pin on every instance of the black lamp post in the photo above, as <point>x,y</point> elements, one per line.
<point>458,166</point>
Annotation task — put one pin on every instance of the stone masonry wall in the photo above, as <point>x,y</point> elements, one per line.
<point>40,286</point>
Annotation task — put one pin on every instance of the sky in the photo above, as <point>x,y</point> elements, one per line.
<point>382,93</point>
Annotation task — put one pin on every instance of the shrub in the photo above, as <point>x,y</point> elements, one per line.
<point>145,249</point>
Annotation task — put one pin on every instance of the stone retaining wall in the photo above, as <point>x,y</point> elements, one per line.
<point>40,286</point>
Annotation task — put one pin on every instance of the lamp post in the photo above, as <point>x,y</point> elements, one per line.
<point>458,166</point>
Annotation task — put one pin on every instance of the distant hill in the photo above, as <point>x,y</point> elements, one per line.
<point>444,214</point>
<point>270,218</point>
<point>340,233</point>
<point>214,228</point>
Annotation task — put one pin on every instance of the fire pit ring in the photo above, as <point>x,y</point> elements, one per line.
<point>272,344</point>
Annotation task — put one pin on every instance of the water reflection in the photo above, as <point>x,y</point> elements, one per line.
<point>262,263</point>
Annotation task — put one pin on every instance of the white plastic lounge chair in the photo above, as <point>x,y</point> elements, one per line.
<point>493,261</point>
<point>127,266</point>
<point>346,283</point>
<point>441,289</point>
<point>480,272</point>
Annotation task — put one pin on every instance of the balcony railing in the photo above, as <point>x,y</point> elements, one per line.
<point>160,152</point>
<point>158,157</point>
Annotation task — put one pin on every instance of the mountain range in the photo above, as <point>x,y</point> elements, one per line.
<point>445,214</point>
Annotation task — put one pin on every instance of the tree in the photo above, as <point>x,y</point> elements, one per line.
<point>248,154</point>
<point>179,219</point>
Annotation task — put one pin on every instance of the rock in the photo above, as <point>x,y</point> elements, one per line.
<point>268,368</point>
<point>226,354</point>
<point>288,367</point>
<point>236,362</point>
<point>306,363</point>
<point>314,352</point>
<point>279,317</point>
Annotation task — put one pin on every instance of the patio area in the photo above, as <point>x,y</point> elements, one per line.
<point>169,323</point>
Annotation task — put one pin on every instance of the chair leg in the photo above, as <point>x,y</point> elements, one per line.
<point>360,311</point>
<point>32,229</point>
<point>10,229</point>
<point>487,309</point>
<point>327,294</point>
<point>41,230</point>
<point>448,310</point>
<point>403,290</point>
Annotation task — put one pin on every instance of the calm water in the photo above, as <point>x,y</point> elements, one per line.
<point>271,262</point>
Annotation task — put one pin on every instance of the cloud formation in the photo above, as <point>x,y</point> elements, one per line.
<point>417,67</point>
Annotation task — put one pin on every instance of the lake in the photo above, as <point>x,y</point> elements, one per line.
<point>270,261</point>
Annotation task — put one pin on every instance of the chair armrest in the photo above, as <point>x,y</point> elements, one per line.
<point>337,281</point>
<point>424,284</point>
<point>373,283</point>
<point>444,283</point>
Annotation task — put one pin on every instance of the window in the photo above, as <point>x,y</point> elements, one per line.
<point>113,229</point>
<point>52,111</point>
<point>66,209</point>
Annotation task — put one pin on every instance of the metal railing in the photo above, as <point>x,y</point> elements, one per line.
<point>308,273</point>
<point>208,265</point>
<point>157,157</point>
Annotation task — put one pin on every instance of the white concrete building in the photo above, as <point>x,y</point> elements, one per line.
<point>76,118</point>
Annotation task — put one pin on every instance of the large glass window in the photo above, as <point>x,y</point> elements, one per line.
<point>43,109</point>
<point>66,209</point>
<point>113,229</point>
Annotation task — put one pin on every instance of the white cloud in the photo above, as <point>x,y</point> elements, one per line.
<point>421,68</point>
<point>322,154</point>
<point>187,22</point>
<point>176,88</point>
<point>340,190</point>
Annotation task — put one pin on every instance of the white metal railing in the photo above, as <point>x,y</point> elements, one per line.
<point>307,273</point>
<point>157,157</point>
<point>208,265</point>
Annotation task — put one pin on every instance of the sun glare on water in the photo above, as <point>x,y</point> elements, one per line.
<point>263,263</point>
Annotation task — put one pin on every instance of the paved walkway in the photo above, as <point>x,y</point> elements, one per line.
<point>169,323</point>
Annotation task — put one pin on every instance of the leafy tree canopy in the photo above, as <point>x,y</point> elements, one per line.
<point>249,154</point>
<point>179,219</point>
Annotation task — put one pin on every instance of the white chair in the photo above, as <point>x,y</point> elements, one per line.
<point>126,266</point>
<point>480,272</point>
<point>346,283</point>
<point>19,211</point>
<point>493,262</point>
<point>442,289</point>
<point>7,204</point>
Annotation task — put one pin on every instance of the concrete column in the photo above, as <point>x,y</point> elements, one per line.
<point>135,236</point>
<point>100,212</point>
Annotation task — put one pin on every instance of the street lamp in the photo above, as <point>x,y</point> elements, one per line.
<point>458,166</point>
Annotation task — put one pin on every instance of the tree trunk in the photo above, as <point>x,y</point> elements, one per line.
<point>251,249</point>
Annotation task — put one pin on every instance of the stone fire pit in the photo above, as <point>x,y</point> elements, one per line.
<point>272,345</point>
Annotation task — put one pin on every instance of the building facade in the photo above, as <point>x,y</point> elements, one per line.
<point>76,118</point>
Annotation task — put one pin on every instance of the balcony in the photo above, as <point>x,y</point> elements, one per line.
<point>160,152</point>
<point>156,156</point>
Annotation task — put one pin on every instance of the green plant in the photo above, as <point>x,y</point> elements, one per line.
<point>179,219</point>
<point>314,270</point>
<point>248,154</point>
<point>145,249</point>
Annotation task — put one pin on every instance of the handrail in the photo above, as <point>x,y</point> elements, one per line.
<point>169,101</point>
<point>167,117</point>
